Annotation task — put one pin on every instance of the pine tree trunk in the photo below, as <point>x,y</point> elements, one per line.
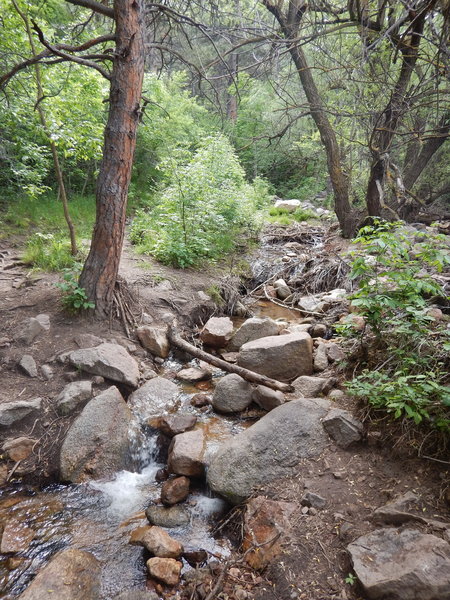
<point>100,271</point>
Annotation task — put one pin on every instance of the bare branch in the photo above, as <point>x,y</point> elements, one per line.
<point>95,6</point>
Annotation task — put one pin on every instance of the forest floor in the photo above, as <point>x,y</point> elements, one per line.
<point>314,562</point>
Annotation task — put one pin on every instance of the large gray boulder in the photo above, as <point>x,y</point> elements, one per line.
<point>97,443</point>
<point>155,398</point>
<point>11,412</point>
<point>70,575</point>
<point>282,357</point>
<point>269,449</point>
<point>232,394</point>
<point>402,565</point>
<point>107,360</point>
<point>253,329</point>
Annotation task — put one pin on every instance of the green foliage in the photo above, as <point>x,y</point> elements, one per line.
<point>74,297</point>
<point>284,217</point>
<point>200,214</point>
<point>409,347</point>
<point>48,251</point>
<point>351,579</point>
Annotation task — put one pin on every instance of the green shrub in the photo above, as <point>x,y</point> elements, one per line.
<point>408,349</point>
<point>74,297</point>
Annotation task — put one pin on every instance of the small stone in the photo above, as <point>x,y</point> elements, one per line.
<point>309,386</point>
<point>217,332</point>
<point>230,357</point>
<point>195,557</point>
<point>172,425</point>
<point>156,541</point>
<point>319,330</point>
<point>312,511</point>
<point>14,562</point>
<point>175,490</point>
<point>321,358</point>
<point>87,340</point>
<point>186,454</point>
<point>334,352</point>
<point>28,365</point>
<point>73,396</point>
<point>98,380</point>
<point>173,516</point>
<point>282,289</point>
<point>305,510</point>
<point>232,394</point>
<point>313,500</point>
<point>10,412</point>
<point>31,328</point>
<point>148,374</point>
<point>155,339</point>
<point>199,400</point>
<point>47,372</point>
<point>267,398</point>
<point>166,570</point>
<point>19,448</point>
<point>343,427</point>
<point>161,475</point>
<point>336,394</point>
<point>193,375</point>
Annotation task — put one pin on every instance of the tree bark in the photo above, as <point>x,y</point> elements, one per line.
<point>251,376</point>
<point>100,270</point>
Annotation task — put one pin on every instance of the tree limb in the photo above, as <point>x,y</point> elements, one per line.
<point>95,6</point>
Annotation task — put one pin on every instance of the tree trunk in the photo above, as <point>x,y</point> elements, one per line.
<point>100,271</point>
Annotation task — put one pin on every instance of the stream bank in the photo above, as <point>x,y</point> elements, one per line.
<point>313,561</point>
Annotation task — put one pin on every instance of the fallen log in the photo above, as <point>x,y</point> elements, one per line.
<point>251,376</point>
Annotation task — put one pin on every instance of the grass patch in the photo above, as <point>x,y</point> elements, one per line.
<point>283,216</point>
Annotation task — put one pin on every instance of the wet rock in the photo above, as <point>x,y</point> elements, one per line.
<point>155,339</point>
<point>334,352</point>
<point>161,475</point>
<point>19,448</point>
<point>311,387</point>
<point>71,575</point>
<point>178,423</point>
<point>282,289</point>
<point>193,375</point>
<point>156,541</point>
<point>28,365</point>
<point>31,328</point>
<point>47,372</point>
<point>137,594</point>
<point>265,520</point>
<point>87,340</point>
<point>153,399</point>
<point>200,400</point>
<point>11,412</point>
<point>269,449</point>
<point>313,500</point>
<point>253,329</point>
<point>175,490</point>
<point>75,394</point>
<point>267,398</point>
<point>343,427</point>
<point>166,570</point>
<point>282,357</point>
<point>169,517</point>
<point>232,394</point>
<point>97,443</point>
<point>195,557</point>
<point>108,360</point>
<point>186,454</point>
<point>16,537</point>
<point>404,565</point>
<point>217,332</point>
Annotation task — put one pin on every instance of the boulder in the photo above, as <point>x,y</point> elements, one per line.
<point>97,443</point>
<point>268,450</point>
<point>11,412</point>
<point>156,397</point>
<point>288,205</point>
<point>16,537</point>
<point>282,289</point>
<point>193,375</point>
<point>174,424</point>
<point>265,520</point>
<point>70,575</point>
<point>28,365</point>
<point>75,394</point>
<point>282,357</point>
<point>186,454</point>
<point>311,387</point>
<point>19,448</point>
<point>155,339</point>
<point>402,565</point>
<point>343,427</point>
<point>232,394</point>
<point>217,332</point>
<point>156,541</point>
<point>267,398</point>
<point>166,570</point>
<point>253,329</point>
<point>173,516</point>
<point>107,360</point>
<point>175,490</point>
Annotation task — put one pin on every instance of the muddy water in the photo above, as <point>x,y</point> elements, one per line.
<point>99,516</point>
